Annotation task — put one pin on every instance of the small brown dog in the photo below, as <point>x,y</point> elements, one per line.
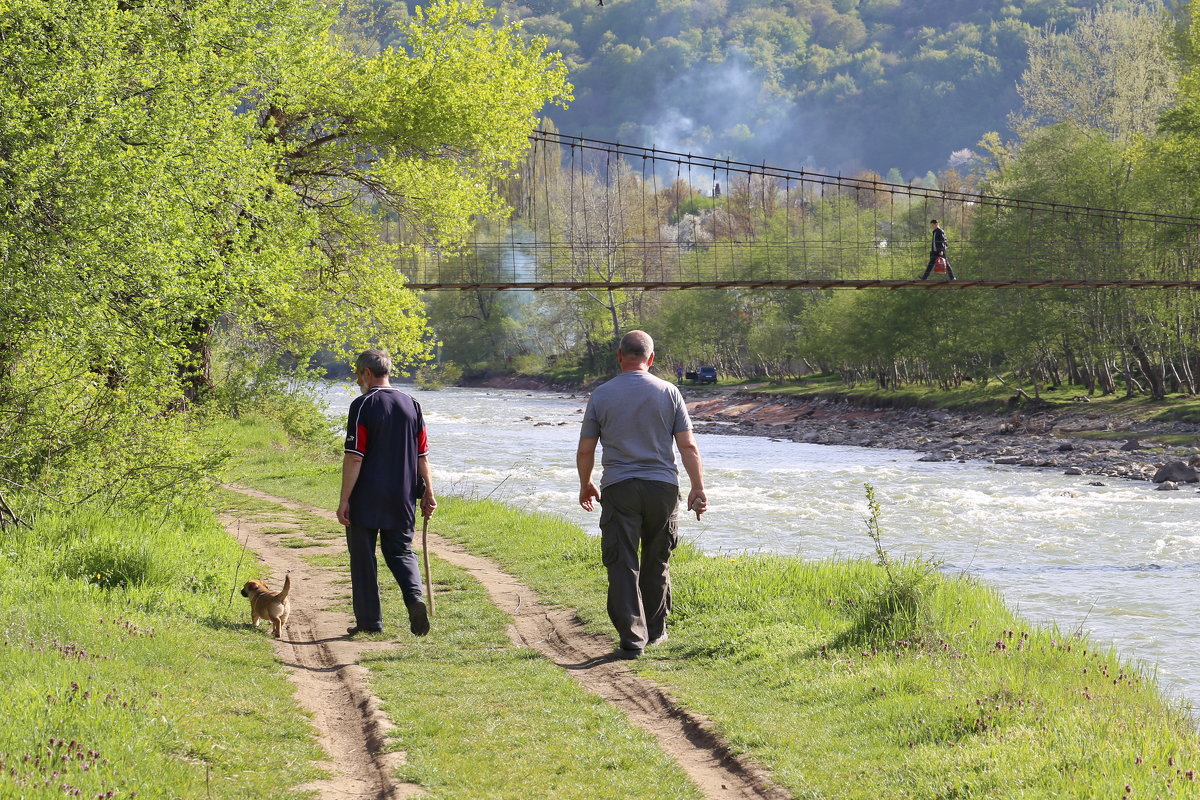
<point>265,604</point>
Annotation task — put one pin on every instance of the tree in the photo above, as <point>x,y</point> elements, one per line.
<point>1111,72</point>
<point>171,170</point>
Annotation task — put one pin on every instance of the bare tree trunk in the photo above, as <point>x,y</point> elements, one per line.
<point>8,516</point>
<point>195,373</point>
<point>1110,383</point>
<point>1153,373</point>
<point>612,310</point>
<point>1073,373</point>
<point>1087,379</point>
<point>1177,382</point>
<point>1189,377</point>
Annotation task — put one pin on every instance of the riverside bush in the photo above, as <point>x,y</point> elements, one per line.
<point>300,415</point>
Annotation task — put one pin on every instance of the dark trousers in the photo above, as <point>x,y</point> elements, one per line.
<point>364,570</point>
<point>638,512</point>
<point>929,267</point>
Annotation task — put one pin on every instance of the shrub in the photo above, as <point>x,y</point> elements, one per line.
<point>530,364</point>
<point>108,563</point>
<point>431,378</point>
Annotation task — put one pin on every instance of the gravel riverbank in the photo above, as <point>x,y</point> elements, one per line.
<point>1047,440</point>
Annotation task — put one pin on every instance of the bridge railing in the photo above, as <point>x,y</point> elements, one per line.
<point>591,214</point>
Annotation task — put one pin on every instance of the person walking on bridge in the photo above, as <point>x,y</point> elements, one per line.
<point>385,462</point>
<point>636,418</point>
<point>937,250</point>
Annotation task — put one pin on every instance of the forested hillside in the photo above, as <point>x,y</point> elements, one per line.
<point>1109,117</point>
<point>835,84</point>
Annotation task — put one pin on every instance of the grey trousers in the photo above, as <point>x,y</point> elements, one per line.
<point>638,512</point>
<point>398,554</point>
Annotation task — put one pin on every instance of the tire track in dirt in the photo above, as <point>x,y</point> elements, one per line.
<point>688,738</point>
<point>323,666</point>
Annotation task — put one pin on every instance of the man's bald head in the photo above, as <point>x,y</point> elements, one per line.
<point>636,346</point>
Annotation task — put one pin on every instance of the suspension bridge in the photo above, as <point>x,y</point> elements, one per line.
<point>597,215</point>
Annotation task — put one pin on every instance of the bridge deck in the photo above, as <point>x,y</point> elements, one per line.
<point>930,285</point>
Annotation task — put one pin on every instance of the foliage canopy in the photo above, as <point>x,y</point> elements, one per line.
<point>173,172</point>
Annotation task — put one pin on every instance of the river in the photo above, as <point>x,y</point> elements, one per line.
<point>1119,561</point>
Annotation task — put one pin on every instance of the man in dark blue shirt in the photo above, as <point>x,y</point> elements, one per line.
<point>385,461</point>
<point>937,249</point>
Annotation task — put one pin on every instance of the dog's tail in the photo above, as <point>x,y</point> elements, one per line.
<point>287,587</point>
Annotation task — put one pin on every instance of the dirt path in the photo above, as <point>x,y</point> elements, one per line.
<point>323,665</point>
<point>555,633</point>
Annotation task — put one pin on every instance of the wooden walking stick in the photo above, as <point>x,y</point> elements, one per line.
<point>425,556</point>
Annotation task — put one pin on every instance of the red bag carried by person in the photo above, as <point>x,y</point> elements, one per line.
<point>940,265</point>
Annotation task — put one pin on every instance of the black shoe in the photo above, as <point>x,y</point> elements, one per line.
<point>621,654</point>
<point>353,629</point>
<point>418,618</point>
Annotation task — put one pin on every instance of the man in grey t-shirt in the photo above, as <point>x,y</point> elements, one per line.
<point>637,417</point>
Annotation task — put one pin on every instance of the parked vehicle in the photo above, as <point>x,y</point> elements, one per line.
<point>703,375</point>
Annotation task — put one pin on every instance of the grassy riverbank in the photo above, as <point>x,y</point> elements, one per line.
<point>128,670</point>
<point>991,398</point>
<point>845,680</point>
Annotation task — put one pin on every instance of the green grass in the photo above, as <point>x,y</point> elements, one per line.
<point>798,666</point>
<point>299,542</point>
<point>570,375</point>
<point>482,718</point>
<point>994,398</point>
<point>1183,408</point>
<point>848,684</point>
<point>1149,440</point>
<point>265,457</point>
<point>121,651</point>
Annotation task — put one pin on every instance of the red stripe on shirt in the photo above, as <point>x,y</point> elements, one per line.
<point>422,443</point>
<point>360,438</point>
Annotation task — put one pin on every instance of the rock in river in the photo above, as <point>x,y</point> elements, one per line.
<point>1177,472</point>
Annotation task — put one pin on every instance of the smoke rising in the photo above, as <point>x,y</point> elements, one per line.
<point>727,110</point>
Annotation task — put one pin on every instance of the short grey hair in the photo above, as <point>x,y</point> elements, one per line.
<point>378,361</point>
<point>637,344</point>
